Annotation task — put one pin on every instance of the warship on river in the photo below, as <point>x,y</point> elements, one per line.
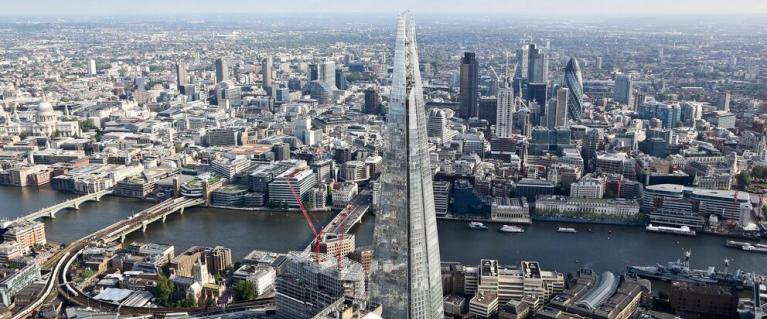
<point>679,270</point>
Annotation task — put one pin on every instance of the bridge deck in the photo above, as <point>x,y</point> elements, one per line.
<point>50,211</point>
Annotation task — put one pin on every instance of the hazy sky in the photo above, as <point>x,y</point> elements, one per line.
<point>511,7</point>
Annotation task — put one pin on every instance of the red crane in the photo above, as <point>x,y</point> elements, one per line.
<point>317,234</point>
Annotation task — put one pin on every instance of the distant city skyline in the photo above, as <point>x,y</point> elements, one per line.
<point>496,7</point>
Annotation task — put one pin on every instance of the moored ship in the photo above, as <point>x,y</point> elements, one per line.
<point>680,270</point>
<point>683,230</point>
<point>477,225</point>
<point>511,229</point>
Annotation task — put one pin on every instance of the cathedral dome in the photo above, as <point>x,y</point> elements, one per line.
<point>45,113</point>
<point>45,107</point>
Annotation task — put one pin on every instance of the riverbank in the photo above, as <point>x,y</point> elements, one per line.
<point>589,221</point>
<point>282,231</point>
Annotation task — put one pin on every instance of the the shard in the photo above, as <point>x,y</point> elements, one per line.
<point>406,276</point>
<point>574,82</point>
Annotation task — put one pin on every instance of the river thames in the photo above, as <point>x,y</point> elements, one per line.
<point>600,247</point>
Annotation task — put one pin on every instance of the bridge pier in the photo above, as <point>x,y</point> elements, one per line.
<point>143,226</point>
<point>122,238</point>
<point>181,211</point>
<point>52,214</point>
<point>77,205</point>
<point>164,216</point>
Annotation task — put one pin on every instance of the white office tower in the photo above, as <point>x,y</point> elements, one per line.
<point>506,107</point>
<point>406,278</point>
<point>437,124</point>
<point>92,67</point>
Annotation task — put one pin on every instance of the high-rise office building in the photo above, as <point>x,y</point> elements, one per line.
<point>92,67</point>
<point>406,275</point>
<point>181,76</point>
<point>437,125</point>
<point>591,144</point>
<point>222,70</point>
<point>326,73</point>
<point>522,62</point>
<point>537,65</point>
<point>313,72</point>
<point>624,89</point>
<point>557,110</point>
<point>266,73</point>
<point>372,101</point>
<point>574,83</point>
<point>723,103</point>
<point>506,107</point>
<point>469,94</point>
<point>340,79</point>
<point>538,93</point>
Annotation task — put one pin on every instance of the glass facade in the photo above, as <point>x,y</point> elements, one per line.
<point>406,277</point>
<point>574,82</point>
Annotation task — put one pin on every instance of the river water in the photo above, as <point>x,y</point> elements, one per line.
<point>600,247</point>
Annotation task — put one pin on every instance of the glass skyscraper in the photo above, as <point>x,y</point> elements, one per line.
<point>574,82</point>
<point>406,277</point>
<point>469,94</point>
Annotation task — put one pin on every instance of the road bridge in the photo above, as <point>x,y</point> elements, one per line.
<point>73,203</point>
<point>351,215</point>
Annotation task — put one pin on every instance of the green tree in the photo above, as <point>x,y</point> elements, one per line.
<point>163,290</point>
<point>244,290</point>
<point>87,125</point>
<point>759,172</point>
<point>744,179</point>
<point>186,303</point>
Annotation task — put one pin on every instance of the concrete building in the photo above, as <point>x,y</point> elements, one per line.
<point>26,233</point>
<point>588,188</point>
<point>695,300</point>
<point>441,196</point>
<point>230,165</point>
<point>677,205</point>
<point>354,171</point>
<point>263,277</point>
<point>513,282</point>
<point>337,245</point>
<point>14,280</point>
<point>306,286</point>
<point>511,210</point>
<point>343,194</point>
<point>603,296</point>
<point>301,178</point>
<point>437,124</point>
<point>484,304</point>
<point>584,207</point>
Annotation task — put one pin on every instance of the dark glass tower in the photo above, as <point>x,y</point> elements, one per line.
<point>574,82</point>
<point>469,94</point>
<point>406,276</point>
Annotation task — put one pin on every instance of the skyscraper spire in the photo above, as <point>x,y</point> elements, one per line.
<point>406,277</point>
